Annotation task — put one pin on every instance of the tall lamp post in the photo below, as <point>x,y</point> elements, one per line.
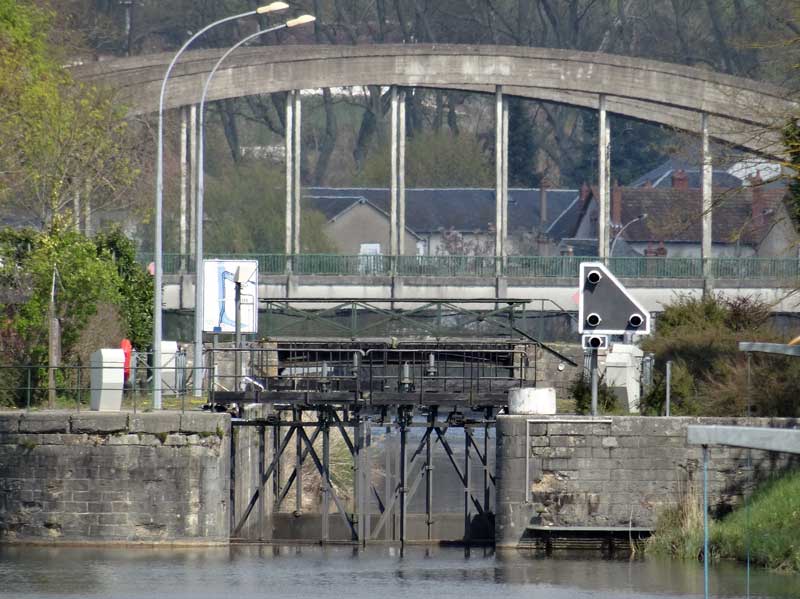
<point>198,245</point>
<point>158,258</point>
<point>617,236</point>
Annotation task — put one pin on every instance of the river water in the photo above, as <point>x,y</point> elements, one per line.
<point>313,572</point>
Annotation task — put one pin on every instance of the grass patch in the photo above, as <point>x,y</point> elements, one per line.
<point>773,529</point>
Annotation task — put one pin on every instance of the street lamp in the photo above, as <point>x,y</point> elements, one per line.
<point>157,250</point>
<point>198,245</point>
<point>616,237</point>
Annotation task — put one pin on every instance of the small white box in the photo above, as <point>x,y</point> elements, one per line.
<point>108,378</point>
<point>532,400</point>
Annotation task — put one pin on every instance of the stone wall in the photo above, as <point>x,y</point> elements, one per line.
<point>614,472</point>
<point>114,477</point>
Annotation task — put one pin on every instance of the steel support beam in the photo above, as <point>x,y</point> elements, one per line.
<point>499,164</point>
<point>297,161</point>
<point>751,437</point>
<point>393,184</point>
<point>401,175</point>
<point>289,141</point>
<point>184,168</point>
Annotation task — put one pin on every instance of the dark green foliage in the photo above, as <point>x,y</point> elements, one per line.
<point>791,139</point>
<point>709,373</point>
<point>581,392</point>
<point>521,147</point>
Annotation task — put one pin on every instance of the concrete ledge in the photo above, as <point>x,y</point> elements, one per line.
<point>9,422</point>
<point>44,422</point>
<point>769,439</point>
<point>95,422</point>
<point>202,422</point>
<point>154,423</point>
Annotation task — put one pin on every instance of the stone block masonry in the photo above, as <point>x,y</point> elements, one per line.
<point>620,471</point>
<point>114,477</point>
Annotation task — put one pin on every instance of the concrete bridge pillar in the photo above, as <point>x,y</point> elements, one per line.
<point>603,180</point>
<point>707,238</point>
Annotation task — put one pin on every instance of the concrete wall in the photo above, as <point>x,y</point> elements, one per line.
<point>114,477</point>
<point>616,472</point>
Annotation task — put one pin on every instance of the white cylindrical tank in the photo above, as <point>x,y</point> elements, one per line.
<point>534,400</point>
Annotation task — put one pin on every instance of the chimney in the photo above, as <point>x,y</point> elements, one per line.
<point>543,205</point>
<point>616,204</point>
<point>759,201</point>
<point>680,180</point>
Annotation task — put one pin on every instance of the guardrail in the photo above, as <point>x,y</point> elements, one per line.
<point>780,269</point>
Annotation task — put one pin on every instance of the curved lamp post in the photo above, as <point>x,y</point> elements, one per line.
<point>198,247</point>
<point>628,224</point>
<point>157,249</point>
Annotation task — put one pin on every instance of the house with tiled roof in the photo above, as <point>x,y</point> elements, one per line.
<point>666,221</point>
<point>357,219</point>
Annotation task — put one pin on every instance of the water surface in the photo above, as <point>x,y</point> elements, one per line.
<point>313,572</point>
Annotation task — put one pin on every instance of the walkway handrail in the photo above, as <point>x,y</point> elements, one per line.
<point>545,267</point>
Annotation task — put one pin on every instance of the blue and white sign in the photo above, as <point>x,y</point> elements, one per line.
<point>219,295</point>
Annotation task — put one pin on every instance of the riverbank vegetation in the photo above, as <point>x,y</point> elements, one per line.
<point>769,525</point>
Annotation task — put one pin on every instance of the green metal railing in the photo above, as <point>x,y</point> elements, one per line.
<point>564,267</point>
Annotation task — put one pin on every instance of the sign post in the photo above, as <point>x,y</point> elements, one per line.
<point>605,308</point>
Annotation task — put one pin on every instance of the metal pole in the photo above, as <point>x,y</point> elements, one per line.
<point>387,478</point>
<point>159,203</point>
<point>237,354</point>
<point>602,164</point>
<point>504,196</point>
<point>262,449</point>
<point>298,465</point>
<point>429,475</point>
<point>326,483</point>
<point>402,488</point>
<point>199,150</point>
<point>595,381</point>
<point>467,507</point>
<point>705,521</point>
<point>707,239</point>
<point>669,385</point>
<point>194,158</point>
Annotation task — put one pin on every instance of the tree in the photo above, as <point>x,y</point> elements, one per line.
<point>434,160</point>
<point>62,142</point>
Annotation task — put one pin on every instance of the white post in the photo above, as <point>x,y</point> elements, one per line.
<point>184,174</point>
<point>602,182</point>
<point>193,166</point>
<point>707,239</point>
<point>393,184</point>
<point>297,163</point>
<point>504,199</point>
<point>499,179</point>
<point>289,174</point>
<point>401,176</point>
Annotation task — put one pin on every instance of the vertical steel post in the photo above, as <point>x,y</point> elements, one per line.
<point>394,141</point>
<point>367,478</point>
<point>195,164</point>
<point>237,354</point>
<point>595,382</point>
<point>262,449</point>
<point>388,491</point>
<point>429,475</point>
<point>402,484</point>
<point>602,178</point>
<point>297,416</point>
<point>326,482</point>
<point>467,507</point>
<point>233,479</point>
<point>486,489</point>
<point>297,162</point>
<point>358,474</point>
<point>707,239</point>
<point>705,521</point>
<point>669,387</point>
<point>276,477</point>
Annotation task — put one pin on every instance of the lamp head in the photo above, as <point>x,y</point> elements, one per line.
<point>301,20</point>
<point>271,7</point>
